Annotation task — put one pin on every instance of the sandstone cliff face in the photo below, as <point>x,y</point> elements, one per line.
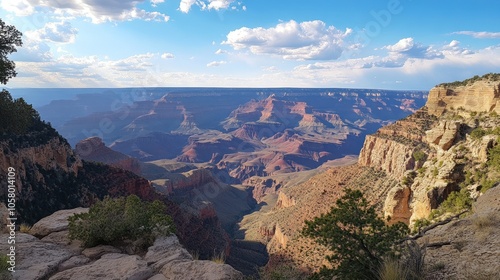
<point>391,156</point>
<point>436,135</point>
<point>284,200</point>
<point>481,96</point>
<point>52,155</point>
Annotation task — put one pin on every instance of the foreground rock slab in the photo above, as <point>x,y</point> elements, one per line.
<point>55,222</point>
<point>109,267</point>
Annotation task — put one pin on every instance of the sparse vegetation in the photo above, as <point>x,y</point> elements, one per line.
<point>454,203</point>
<point>409,178</point>
<point>489,76</point>
<point>438,266</point>
<point>419,155</point>
<point>489,220</point>
<point>24,228</point>
<point>113,221</point>
<point>219,258</point>
<point>358,238</point>
<point>420,223</point>
<point>281,272</point>
<point>392,269</point>
<point>4,266</point>
<point>477,133</point>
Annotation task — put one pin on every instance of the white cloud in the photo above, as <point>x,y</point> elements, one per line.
<point>135,63</point>
<point>167,55</point>
<point>220,51</point>
<point>219,4</point>
<point>310,40</point>
<point>407,48</point>
<point>32,51</point>
<point>98,11</point>
<point>216,63</point>
<point>185,5</point>
<point>454,48</point>
<point>18,7</point>
<point>59,32</point>
<point>156,2</point>
<point>479,35</point>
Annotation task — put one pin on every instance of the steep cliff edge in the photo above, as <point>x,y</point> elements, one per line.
<point>50,177</point>
<point>431,152</point>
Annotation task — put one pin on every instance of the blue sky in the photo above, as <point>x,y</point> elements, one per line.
<point>389,44</point>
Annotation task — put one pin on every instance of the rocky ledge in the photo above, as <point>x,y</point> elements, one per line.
<point>51,255</point>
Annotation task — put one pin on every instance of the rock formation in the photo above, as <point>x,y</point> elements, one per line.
<point>476,96</point>
<point>434,143</point>
<point>60,258</point>
<point>93,149</point>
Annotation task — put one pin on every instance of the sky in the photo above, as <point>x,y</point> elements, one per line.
<point>386,44</point>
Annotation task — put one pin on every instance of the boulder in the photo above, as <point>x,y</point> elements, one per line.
<point>444,134</point>
<point>36,259</point>
<point>97,251</point>
<point>166,249</point>
<point>74,261</point>
<point>199,270</point>
<point>55,222</point>
<point>109,267</point>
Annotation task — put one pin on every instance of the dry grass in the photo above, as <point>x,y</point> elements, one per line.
<point>392,269</point>
<point>24,228</point>
<point>487,220</point>
<point>219,258</point>
<point>195,255</point>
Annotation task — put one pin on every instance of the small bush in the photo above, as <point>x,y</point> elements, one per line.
<point>392,269</point>
<point>494,157</point>
<point>24,228</point>
<point>219,258</point>
<point>478,133</point>
<point>420,223</point>
<point>488,220</point>
<point>419,155</point>
<point>456,202</point>
<point>112,221</point>
<point>3,263</point>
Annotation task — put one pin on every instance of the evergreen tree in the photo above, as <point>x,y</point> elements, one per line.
<point>10,37</point>
<point>357,237</point>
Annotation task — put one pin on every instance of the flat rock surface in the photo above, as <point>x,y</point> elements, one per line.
<point>109,267</point>
<point>55,222</point>
<point>36,259</point>
<point>474,248</point>
<point>98,251</point>
<point>200,270</point>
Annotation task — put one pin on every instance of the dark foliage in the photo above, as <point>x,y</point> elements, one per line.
<point>357,237</point>
<point>10,37</point>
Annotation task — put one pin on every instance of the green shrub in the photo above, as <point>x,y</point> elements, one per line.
<point>478,133</point>
<point>112,221</point>
<point>419,155</point>
<point>4,265</point>
<point>494,157</point>
<point>357,237</point>
<point>456,202</point>
<point>420,223</point>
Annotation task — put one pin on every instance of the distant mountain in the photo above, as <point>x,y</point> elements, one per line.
<point>245,132</point>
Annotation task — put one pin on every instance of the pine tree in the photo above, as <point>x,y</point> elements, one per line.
<point>357,237</point>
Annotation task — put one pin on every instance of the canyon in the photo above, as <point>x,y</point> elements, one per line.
<point>243,174</point>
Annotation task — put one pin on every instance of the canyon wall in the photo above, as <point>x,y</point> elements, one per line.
<point>425,151</point>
